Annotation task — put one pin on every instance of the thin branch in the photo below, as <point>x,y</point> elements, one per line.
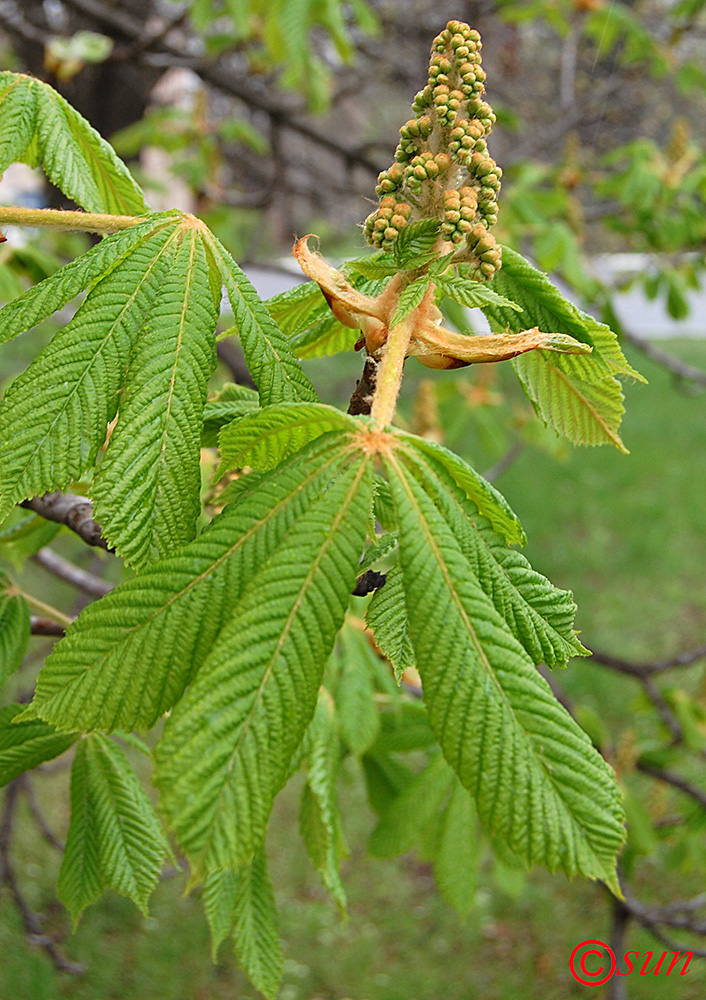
<point>668,717</point>
<point>220,77</point>
<point>231,357</point>
<point>65,570</point>
<point>645,669</point>
<point>362,398</point>
<point>45,626</point>
<point>73,511</point>
<point>680,368</point>
<point>38,816</point>
<point>670,778</point>
<point>504,462</point>
<point>11,19</point>
<point>31,921</point>
<point>620,918</point>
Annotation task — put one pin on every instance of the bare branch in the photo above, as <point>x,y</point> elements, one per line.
<point>31,921</point>
<point>680,368</point>
<point>362,397</point>
<point>38,815</point>
<point>73,511</point>
<point>644,669</point>
<point>670,778</point>
<point>74,575</point>
<point>232,358</point>
<point>45,626</point>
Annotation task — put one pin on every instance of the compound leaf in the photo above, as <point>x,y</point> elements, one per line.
<point>128,657</point>
<point>255,927</point>
<point>539,785</point>
<point>228,745</point>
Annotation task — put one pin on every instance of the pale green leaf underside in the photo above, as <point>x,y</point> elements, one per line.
<point>115,839</point>
<point>274,368</point>
<point>263,439</point>
<point>147,491</point>
<point>228,745</point>
<point>128,657</point>
<point>23,745</point>
<point>539,785</point>
<point>38,125</point>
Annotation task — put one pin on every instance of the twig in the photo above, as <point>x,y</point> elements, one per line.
<point>668,717</point>
<point>31,921</point>
<point>688,372</point>
<point>38,815</point>
<point>11,18</point>
<point>362,398</point>
<point>45,626</point>
<point>74,575</point>
<point>620,915</point>
<point>504,462</point>
<point>644,669</point>
<point>73,511</point>
<point>670,778</point>
<point>223,79</point>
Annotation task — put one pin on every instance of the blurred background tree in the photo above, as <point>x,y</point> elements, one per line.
<point>274,118</point>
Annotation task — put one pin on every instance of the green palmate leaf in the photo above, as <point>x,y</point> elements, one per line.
<point>298,307</point>
<point>14,628</point>
<point>54,416</point>
<point>319,821</point>
<point>387,617</point>
<point>580,397</point>
<point>410,298</point>
<point>539,615</point>
<point>39,126</point>
<point>488,500</point>
<point>147,492</point>
<point>228,746</point>
<point>115,839</point>
<point>128,657</point>
<point>473,294</point>
<point>274,368</point>
<point>23,745</point>
<point>458,852</point>
<point>402,823</point>
<point>231,403</point>
<point>539,785</point>
<point>357,714</point>
<point>255,927</point>
<point>263,439</point>
<point>43,299</point>
<point>573,398</point>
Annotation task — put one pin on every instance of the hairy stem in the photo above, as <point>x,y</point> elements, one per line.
<point>84,222</point>
<point>390,372</point>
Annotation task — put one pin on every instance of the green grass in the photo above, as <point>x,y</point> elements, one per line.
<point>626,534</point>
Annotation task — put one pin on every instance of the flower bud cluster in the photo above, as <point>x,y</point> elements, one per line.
<point>442,168</point>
